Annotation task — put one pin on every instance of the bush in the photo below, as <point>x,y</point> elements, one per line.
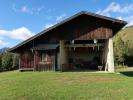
<point>7,61</point>
<point>121,67</point>
<point>0,62</point>
<point>15,63</point>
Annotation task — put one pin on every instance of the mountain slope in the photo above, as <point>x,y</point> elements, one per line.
<point>3,50</point>
<point>126,34</point>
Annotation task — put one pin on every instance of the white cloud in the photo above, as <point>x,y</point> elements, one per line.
<point>61,17</point>
<point>51,10</point>
<point>21,33</point>
<point>49,17</point>
<point>103,13</point>
<point>48,25</point>
<point>1,38</point>
<point>26,9</point>
<point>3,43</point>
<point>57,19</point>
<point>129,19</point>
<point>116,8</point>
<point>120,18</point>
<point>40,8</point>
<point>122,10</point>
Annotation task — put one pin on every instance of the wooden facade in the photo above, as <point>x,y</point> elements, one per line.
<point>27,60</point>
<point>84,27</point>
<point>33,61</point>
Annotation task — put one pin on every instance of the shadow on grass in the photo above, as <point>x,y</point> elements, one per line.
<point>127,73</point>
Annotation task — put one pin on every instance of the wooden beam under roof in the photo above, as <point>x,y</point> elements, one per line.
<point>85,45</point>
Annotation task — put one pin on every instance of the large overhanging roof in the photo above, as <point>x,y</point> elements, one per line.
<point>67,20</point>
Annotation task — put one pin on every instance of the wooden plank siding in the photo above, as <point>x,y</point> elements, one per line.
<point>99,33</point>
<point>47,65</point>
<point>29,60</point>
<point>87,29</point>
<point>26,60</point>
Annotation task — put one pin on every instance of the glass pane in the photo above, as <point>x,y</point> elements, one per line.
<point>44,57</point>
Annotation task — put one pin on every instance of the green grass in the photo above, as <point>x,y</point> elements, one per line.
<point>65,86</point>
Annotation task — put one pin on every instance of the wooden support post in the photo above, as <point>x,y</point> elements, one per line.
<point>34,60</point>
<point>108,56</point>
<point>63,53</point>
<point>19,62</point>
<point>54,62</point>
<point>110,59</point>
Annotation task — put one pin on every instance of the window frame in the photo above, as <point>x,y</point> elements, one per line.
<point>44,57</point>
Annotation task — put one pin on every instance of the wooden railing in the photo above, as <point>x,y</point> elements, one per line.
<point>47,66</point>
<point>66,67</point>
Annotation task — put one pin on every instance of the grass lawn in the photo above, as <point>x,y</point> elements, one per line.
<point>65,86</point>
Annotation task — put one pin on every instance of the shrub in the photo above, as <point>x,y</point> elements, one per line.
<point>121,67</point>
<point>7,61</point>
<point>15,62</point>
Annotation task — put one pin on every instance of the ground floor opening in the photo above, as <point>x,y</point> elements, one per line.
<point>70,55</point>
<point>83,55</point>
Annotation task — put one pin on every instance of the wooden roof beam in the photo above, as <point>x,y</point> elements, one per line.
<point>85,45</point>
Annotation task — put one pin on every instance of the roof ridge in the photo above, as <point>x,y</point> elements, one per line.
<point>66,20</point>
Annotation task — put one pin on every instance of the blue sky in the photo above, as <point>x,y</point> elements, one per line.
<point>21,19</point>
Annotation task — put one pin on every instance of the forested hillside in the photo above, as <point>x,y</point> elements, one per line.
<point>123,47</point>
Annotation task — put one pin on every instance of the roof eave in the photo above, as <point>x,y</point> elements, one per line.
<point>64,21</point>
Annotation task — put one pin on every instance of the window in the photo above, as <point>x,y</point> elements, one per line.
<point>44,57</point>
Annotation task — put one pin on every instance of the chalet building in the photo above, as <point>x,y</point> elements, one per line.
<point>81,42</point>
